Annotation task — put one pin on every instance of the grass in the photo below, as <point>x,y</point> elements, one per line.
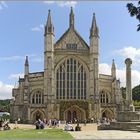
<point>23,134</point>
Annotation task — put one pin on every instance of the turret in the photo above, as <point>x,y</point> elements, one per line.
<point>26,66</point>
<point>26,83</point>
<point>49,34</point>
<point>113,69</point>
<point>94,36</point>
<point>49,29</point>
<point>94,29</point>
<point>71,20</point>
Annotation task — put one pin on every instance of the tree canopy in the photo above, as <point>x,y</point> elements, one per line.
<point>136,93</point>
<point>5,105</point>
<point>134,11</point>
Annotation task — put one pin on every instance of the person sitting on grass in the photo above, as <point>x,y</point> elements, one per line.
<point>42,124</point>
<point>68,127</point>
<point>39,124</point>
<point>6,126</point>
<point>1,125</point>
<point>77,128</point>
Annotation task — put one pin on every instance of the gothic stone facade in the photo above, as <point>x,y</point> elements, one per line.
<point>70,86</point>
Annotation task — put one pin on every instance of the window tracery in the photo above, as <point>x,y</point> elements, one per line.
<point>37,97</point>
<point>71,80</point>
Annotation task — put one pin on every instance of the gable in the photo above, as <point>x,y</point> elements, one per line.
<point>71,40</point>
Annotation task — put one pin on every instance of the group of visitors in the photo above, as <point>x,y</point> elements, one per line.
<point>105,120</point>
<point>68,127</point>
<point>40,124</point>
<point>4,125</point>
<point>53,123</point>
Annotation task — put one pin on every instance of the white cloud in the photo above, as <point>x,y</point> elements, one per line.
<point>32,57</point>
<point>62,3</point>
<point>130,52</point>
<point>34,29</point>
<point>104,68</point>
<point>121,74</point>
<point>38,28</point>
<point>3,5</point>
<point>67,4</point>
<point>38,59</point>
<point>49,2</point>
<point>16,76</point>
<point>12,58</point>
<point>5,90</point>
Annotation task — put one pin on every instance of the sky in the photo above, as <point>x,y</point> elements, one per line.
<point>22,33</point>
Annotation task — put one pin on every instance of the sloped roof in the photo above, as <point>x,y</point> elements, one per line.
<point>77,34</point>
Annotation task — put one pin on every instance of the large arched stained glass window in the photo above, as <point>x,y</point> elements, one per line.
<point>71,80</point>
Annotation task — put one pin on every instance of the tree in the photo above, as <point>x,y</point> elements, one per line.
<point>136,93</point>
<point>136,103</point>
<point>5,105</point>
<point>134,11</point>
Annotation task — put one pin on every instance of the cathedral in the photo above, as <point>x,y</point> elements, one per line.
<point>70,87</point>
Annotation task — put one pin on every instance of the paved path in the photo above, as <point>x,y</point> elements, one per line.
<point>108,134</point>
<point>90,132</point>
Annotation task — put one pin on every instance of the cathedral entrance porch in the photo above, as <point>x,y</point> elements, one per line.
<point>74,113</point>
<point>107,113</point>
<point>37,114</point>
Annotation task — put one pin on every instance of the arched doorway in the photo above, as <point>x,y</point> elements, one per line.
<point>73,113</point>
<point>103,115</point>
<point>38,115</point>
<point>107,113</point>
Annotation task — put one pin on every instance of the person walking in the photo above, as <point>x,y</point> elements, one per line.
<point>85,122</point>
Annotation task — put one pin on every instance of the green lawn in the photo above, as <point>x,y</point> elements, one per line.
<point>34,134</point>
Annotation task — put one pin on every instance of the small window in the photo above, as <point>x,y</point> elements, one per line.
<point>71,46</point>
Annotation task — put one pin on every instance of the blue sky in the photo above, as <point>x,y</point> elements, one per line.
<point>22,30</point>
